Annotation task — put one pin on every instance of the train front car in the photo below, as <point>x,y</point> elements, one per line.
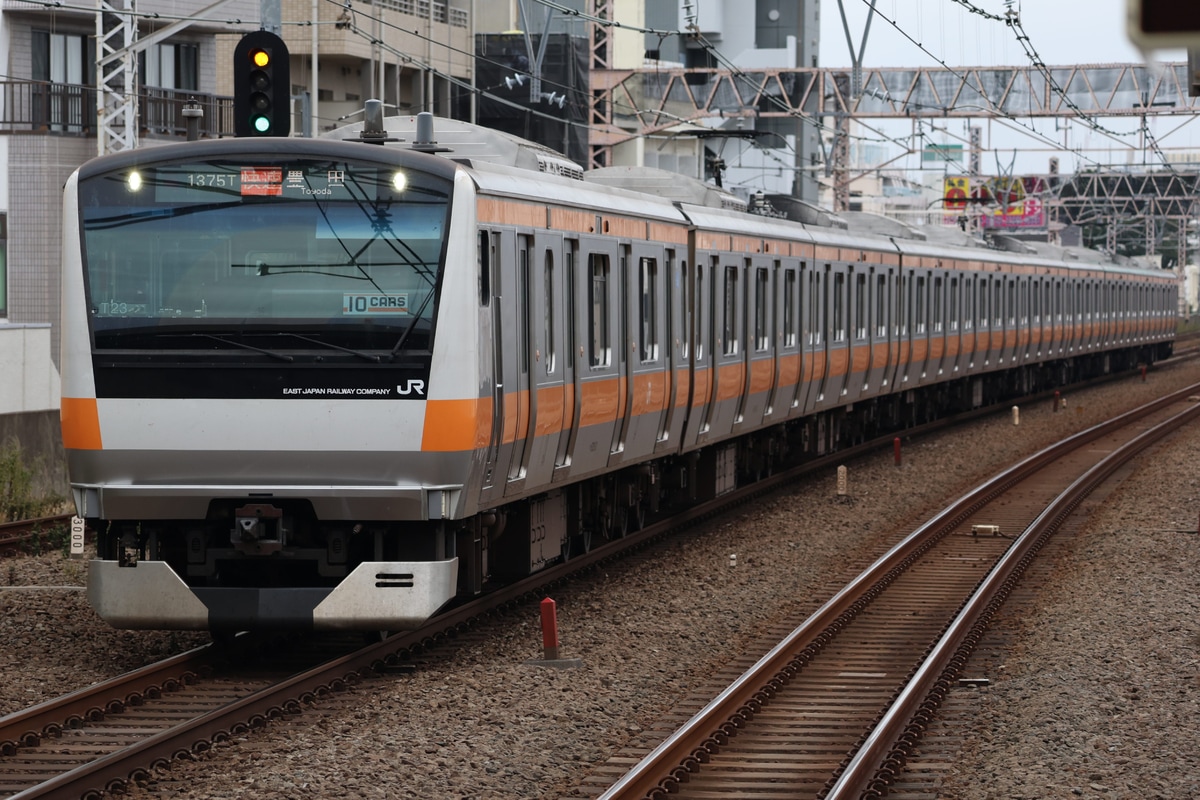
<point>247,364</point>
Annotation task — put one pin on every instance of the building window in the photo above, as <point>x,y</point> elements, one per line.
<point>170,66</point>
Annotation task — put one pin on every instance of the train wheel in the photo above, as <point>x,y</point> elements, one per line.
<point>637,516</point>
<point>620,521</point>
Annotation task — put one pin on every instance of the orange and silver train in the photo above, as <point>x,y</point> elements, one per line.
<point>336,383</point>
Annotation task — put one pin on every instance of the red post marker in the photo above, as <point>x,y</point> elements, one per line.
<point>549,630</point>
<point>1143,373</point>
<point>1056,401</point>
<point>896,449</point>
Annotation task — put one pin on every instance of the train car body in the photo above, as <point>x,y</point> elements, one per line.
<point>333,384</point>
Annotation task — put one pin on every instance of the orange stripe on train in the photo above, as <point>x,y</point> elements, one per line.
<point>80,424</point>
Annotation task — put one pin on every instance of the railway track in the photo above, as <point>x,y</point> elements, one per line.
<point>865,674</point>
<point>102,738</point>
<point>17,536</point>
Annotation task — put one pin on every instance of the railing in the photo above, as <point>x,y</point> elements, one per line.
<point>70,109</point>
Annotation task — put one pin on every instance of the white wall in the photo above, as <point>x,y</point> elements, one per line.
<point>28,378</point>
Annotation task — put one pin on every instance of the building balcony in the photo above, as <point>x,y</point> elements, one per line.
<point>70,110</point>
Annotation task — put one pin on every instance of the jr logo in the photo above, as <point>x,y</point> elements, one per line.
<point>411,386</point>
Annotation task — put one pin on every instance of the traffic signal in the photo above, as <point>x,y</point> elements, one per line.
<point>1157,24</point>
<point>262,86</point>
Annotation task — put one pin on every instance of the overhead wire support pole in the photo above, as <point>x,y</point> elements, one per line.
<point>116,69</point>
<point>117,46</point>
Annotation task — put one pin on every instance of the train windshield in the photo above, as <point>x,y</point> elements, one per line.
<point>341,253</point>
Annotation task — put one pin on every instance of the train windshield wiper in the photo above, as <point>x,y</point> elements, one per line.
<point>235,343</point>
<point>331,346</point>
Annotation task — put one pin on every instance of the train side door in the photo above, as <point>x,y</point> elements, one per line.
<point>645,374</point>
<point>597,372</point>
<point>519,338</point>
<point>700,301</point>
<point>678,344</point>
<point>783,402</point>
<point>547,400</point>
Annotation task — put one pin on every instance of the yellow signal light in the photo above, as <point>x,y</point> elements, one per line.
<point>260,58</point>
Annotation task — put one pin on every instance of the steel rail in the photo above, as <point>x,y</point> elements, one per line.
<point>877,763</point>
<point>712,726</point>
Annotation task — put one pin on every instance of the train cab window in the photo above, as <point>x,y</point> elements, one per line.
<point>485,268</point>
<point>860,306</point>
<point>762,310</point>
<point>730,327</point>
<point>648,294</point>
<point>600,352</point>
<point>789,308</point>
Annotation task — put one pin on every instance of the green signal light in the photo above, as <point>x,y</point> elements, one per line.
<point>261,124</point>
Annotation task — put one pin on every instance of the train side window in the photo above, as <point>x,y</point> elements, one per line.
<point>648,292</point>
<point>789,308</point>
<point>599,351</point>
<point>762,311</point>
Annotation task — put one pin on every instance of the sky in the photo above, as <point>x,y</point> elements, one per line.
<point>1062,32</point>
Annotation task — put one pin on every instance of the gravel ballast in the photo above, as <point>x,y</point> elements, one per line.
<point>485,724</point>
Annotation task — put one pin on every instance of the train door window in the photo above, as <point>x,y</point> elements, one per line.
<point>939,303</point>
<point>789,308</point>
<point>599,351</point>
<point>997,310</point>
<point>570,251</point>
<point>549,332</point>
<point>953,315</point>
<point>1035,302</point>
<point>816,291</point>
<point>1011,300</point>
<point>523,294</point>
<point>861,304</point>
<point>881,305</point>
<point>969,301</point>
<point>624,322</point>
<point>839,307</point>
<point>486,252</point>
<point>922,311</point>
<point>729,324</point>
<point>700,305</point>
<point>685,339</point>
<point>648,292</point>
<point>762,309</point>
